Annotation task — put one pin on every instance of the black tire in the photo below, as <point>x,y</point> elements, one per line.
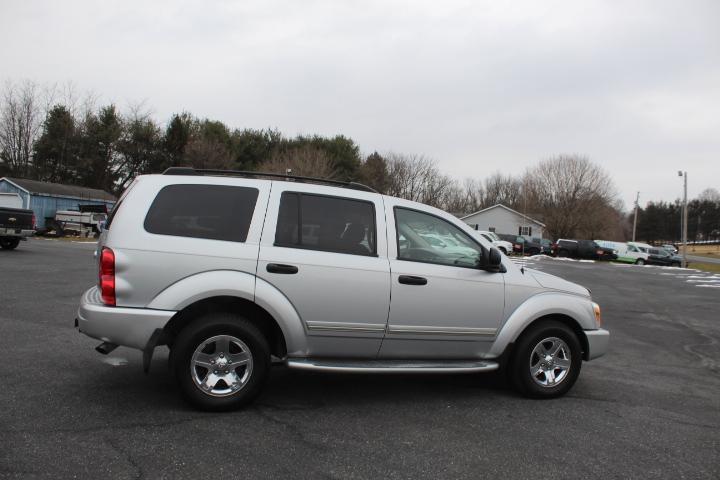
<point>200,331</point>
<point>519,369</point>
<point>675,264</point>
<point>9,243</point>
<point>533,251</point>
<point>640,261</point>
<point>563,253</point>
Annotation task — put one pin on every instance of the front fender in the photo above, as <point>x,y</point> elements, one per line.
<point>541,305</point>
<point>230,283</point>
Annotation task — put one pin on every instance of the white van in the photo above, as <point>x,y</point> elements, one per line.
<point>630,252</point>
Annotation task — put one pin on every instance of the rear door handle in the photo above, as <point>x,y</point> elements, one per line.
<point>280,268</point>
<point>412,280</point>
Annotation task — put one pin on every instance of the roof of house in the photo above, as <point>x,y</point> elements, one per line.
<point>508,209</point>
<point>59,189</point>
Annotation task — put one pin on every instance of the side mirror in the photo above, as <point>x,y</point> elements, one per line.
<point>491,260</point>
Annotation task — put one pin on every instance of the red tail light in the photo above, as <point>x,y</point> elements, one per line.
<point>107,276</point>
<point>33,222</point>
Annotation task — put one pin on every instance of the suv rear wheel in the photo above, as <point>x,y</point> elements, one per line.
<point>220,361</point>
<point>546,361</point>
<point>640,261</point>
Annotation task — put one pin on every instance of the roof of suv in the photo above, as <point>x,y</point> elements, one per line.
<point>246,174</point>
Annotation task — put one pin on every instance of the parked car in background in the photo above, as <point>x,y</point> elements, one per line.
<point>582,249</point>
<point>625,253</point>
<point>512,240</point>
<point>503,245</point>
<point>16,225</point>
<point>522,245</point>
<point>643,247</point>
<point>221,270</point>
<point>660,256</point>
<point>670,248</point>
<point>545,245</point>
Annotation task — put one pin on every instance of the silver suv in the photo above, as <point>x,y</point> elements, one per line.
<point>230,269</point>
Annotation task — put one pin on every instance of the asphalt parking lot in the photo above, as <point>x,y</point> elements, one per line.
<point>648,409</point>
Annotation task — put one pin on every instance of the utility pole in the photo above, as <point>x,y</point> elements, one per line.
<point>637,199</point>
<point>684,218</point>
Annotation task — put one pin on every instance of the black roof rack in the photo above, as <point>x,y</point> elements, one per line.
<point>242,173</point>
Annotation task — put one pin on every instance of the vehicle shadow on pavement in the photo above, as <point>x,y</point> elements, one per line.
<point>126,388</point>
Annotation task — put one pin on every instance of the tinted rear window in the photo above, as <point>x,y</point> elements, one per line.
<point>214,212</point>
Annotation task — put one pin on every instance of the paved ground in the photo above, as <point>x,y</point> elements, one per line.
<point>649,409</point>
<point>695,258</point>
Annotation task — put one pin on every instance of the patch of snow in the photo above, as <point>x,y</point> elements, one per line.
<point>115,361</point>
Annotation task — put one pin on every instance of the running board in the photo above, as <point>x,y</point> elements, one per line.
<point>392,366</point>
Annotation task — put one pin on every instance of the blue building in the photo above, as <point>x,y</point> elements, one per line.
<point>45,198</point>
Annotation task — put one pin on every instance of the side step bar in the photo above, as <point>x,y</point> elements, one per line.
<point>392,366</point>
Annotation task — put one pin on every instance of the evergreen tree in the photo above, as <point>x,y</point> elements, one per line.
<point>57,148</point>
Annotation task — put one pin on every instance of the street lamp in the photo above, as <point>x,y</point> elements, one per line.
<point>684,219</point>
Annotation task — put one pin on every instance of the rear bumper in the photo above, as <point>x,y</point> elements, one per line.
<point>130,327</point>
<point>16,232</point>
<point>598,341</point>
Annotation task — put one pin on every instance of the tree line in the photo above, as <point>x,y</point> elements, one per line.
<point>55,135</point>
<point>662,221</point>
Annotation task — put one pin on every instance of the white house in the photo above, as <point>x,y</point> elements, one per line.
<point>502,219</point>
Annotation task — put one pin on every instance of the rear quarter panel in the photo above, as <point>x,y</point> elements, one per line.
<point>147,264</point>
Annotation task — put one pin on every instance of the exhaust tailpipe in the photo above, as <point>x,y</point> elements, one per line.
<point>106,347</point>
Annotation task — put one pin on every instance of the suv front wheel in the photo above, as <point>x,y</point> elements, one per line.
<point>546,361</point>
<point>220,361</point>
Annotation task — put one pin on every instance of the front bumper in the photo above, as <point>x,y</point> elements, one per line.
<point>598,341</point>
<point>130,327</point>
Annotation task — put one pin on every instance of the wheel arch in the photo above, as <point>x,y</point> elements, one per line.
<point>237,292</point>
<point>259,317</point>
<point>571,310</point>
<point>565,320</point>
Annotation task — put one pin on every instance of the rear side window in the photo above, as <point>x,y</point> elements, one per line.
<point>331,224</point>
<point>213,212</point>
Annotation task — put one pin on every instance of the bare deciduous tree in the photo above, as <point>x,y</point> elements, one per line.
<point>304,161</point>
<point>20,122</point>
<point>415,177</point>
<point>503,189</point>
<point>571,193</point>
<point>207,153</point>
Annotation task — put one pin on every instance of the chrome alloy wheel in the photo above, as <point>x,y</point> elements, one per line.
<point>221,365</point>
<point>550,362</point>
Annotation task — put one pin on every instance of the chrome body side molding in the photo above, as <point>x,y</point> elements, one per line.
<point>422,330</point>
<point>345,327</point>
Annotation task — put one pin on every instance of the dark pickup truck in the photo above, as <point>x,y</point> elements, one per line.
<point>584,249</point>
<point>15,224</point>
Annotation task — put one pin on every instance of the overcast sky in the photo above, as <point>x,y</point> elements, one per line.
<point>478,86</point>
